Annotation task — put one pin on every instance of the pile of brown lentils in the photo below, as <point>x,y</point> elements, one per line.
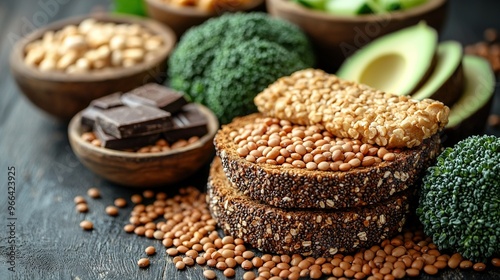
<point>190,236</point>
<point>279,142</point>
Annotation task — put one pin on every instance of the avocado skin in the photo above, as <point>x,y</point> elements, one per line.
<point>479,81</point>
<point>426,76</point>
<point>473,125</point>
<point>450,91</point>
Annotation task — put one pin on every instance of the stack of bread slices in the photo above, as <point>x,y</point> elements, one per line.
<point>327,166</point>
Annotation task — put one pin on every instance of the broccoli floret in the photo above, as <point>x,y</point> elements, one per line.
<point>255,60</point>
<point>226,61</point>
<point>459,202</point>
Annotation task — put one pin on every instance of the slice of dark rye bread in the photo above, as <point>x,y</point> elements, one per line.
<point>302,188</point>
<point>306,232</point>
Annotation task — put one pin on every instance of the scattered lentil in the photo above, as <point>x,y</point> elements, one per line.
<point>209,274</point>
<point>86,225</point>
<point>94,193</point>
<point>79,199</point>
<point>479,266</point>
<point>120,202</point>
<point>111,210</point>
<point>148,194</point>
<point>82,207</point>
<point>136,198</point>
<point>150,250</point>
<point>143,263</point>
<point>180,265</point>
<point>129,228</point>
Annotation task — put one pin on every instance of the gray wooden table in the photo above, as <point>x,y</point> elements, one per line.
<point>49,243</point>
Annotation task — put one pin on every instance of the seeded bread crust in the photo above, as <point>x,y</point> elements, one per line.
<point>301,188</point>
<point>306,232</point>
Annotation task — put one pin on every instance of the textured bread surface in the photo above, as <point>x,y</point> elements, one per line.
<point>352,110</point>
<point>306,232</point>
<point>302,188</point>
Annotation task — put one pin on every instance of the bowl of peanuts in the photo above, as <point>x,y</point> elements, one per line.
<point>154,165</point>
<point>63,66</point>
<point>180,15</point>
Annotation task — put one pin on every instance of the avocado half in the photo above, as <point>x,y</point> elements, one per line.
<point>398,62</point>
<point>469,114</point>
<point>446,82</point>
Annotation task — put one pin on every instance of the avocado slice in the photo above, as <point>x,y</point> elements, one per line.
<point>446,81</point>
<point>478,92</point>
<point>469,114</point>
<point>398,62</point>
<point>348,7</point>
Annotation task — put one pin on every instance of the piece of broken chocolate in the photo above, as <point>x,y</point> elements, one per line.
<point>89,115</point>
<point>157,96</point>
<point>108,101</point>
<point>124,121</point>
<point>111,142</point>
<point>187,123</point>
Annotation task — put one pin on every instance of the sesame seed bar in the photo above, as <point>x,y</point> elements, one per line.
<point>352,110</point>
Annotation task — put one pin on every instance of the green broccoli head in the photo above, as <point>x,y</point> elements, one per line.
<point>459,203</point>
<point>259,63</point>
<point>226,61</point>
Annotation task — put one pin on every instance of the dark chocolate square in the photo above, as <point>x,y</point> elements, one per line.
<point>108,101</point>
<point>89,115</point>
<point>124,121</point>
<point>157,96</point>
<point>187,123</point>
<point>111,142</point>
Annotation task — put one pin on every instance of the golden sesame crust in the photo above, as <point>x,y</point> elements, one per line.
<point>301,188</point>
<point>306,232</point>
<point>352,110</point>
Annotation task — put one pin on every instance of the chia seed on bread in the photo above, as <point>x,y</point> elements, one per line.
<point>306,232</point>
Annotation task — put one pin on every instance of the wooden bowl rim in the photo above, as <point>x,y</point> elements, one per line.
<point>290,6</point>
<point>195,12</point>
<point>75,130</point>
<point>17,54</point>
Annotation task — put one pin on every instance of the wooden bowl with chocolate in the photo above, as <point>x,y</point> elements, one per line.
<point>146,137</point>
<point>65,65</point>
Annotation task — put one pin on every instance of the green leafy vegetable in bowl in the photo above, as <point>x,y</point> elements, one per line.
<point>459,203</point>
<point>225,62</point>
<point>359,7</point>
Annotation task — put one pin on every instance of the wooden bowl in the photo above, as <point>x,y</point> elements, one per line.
<point>181,19</point>
<point>63,95</point>
<point>336,37</point>
<point>144,169</point>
